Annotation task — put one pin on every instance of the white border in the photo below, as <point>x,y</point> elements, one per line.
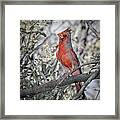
<point>13,15</point>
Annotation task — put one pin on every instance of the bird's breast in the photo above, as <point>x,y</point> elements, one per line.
<point>64,57</point>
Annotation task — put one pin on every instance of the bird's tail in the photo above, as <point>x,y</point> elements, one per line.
<point>77,84</point>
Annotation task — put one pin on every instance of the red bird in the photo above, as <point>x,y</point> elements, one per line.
<point>66,54</point>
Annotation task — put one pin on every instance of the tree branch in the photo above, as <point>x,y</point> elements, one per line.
<point>93,76</point>
<point>52,84</point>
<point>93,30</point>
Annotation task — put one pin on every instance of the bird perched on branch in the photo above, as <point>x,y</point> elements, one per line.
<point>66,54</point>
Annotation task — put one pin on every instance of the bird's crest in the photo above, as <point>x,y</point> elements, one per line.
<point>65,33</point>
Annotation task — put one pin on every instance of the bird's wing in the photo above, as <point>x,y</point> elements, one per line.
<point>75,62</point>
<point>74,58</point>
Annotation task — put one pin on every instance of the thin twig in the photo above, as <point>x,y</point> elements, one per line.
<point>93,30</point>
<point>97,62</point>
<point>97,95</point>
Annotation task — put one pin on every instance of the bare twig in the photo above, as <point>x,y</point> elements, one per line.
<point>93,30</point>
<point>97,95</point>
<point>96,62</point>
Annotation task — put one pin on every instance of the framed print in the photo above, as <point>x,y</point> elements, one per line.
<point>60,60</point>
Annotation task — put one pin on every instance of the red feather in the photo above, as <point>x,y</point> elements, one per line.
<point>66,54</point>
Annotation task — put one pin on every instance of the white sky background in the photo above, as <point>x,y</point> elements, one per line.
<point>13,104</point>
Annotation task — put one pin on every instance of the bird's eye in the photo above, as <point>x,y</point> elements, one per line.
<point>61,36</point>
<point>64,35</point>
